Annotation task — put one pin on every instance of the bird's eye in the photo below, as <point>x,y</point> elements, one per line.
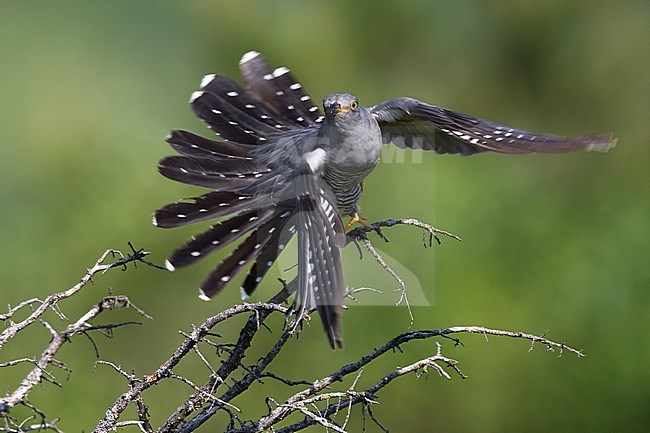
<point>353,105</point>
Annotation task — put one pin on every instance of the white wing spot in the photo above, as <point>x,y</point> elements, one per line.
<point>233,93</point>
<point>180,215</point>
<point>249,106</point>
<point>195,253</point>
<point>314,108</point>
<point>305,98</point>
<point>279,93</point>
<point>215,111</point>
<point>225,278</point>
<point>295,86</point>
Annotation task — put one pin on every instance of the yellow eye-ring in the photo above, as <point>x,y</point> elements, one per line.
<point>353,105</point>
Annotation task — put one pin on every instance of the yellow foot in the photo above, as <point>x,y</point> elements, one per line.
<point>356,218</point>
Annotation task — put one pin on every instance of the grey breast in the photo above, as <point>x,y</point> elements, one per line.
<point>353,151</point>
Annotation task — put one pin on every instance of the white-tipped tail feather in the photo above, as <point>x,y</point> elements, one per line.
<point>248,56</point>
<point>169,266</point>
<point>203,296</point>
<point>207,80</point>
<point>196,95</point>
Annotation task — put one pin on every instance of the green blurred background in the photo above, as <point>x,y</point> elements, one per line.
<point>559,243</point>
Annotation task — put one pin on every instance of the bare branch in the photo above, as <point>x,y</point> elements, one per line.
<point>262,310</point>
<point>82,325</point>
<point>361,233</point>
<point>51,301</point>
<point>327,401</point>
<point>58,340</point>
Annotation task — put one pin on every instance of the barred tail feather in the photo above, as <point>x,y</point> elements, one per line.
<point>247,106</point>
<point>232,265</point>
<point>279,89</point>
<point>218,236</point>
<point>208,206</point>
<point>320,271</point>
<point>269,253</point>
<point>228,121</point>
<point>190,144</point>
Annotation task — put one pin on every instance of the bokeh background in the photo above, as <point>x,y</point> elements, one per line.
<point>559,243</point>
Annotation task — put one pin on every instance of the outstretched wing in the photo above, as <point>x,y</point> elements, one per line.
<point>409,123</point>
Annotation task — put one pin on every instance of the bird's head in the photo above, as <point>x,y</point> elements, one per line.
<point>340,105</point>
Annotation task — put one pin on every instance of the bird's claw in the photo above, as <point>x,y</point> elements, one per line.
<point>356,218</point>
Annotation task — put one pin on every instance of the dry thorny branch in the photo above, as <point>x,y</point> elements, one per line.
<point>82,325</point>
<point>326,401</point>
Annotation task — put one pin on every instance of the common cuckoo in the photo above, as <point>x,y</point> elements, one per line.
<point>279,166</point>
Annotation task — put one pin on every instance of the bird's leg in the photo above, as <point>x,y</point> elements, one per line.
<point>356,218</point>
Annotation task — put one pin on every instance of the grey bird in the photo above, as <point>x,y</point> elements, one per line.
<point>278,167</point>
